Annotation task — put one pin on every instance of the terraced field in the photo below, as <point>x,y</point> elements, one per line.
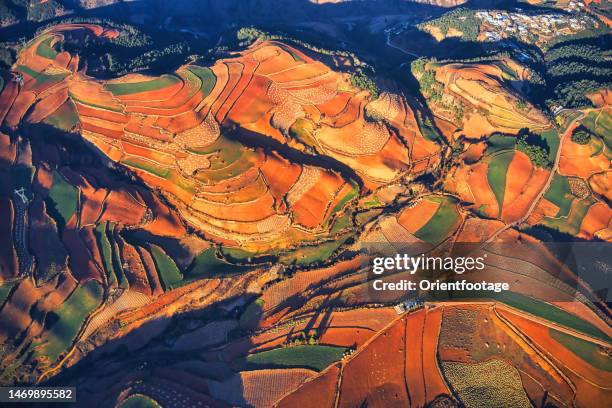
<point>485,95</point>
<point>199,236</point>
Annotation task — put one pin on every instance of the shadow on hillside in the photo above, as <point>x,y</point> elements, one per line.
<point>142,360</point>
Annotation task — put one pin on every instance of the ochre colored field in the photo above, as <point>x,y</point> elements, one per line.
<point>319,391</point>
<point>373,375</point>
<point>523,183</point>
<point>480,87</point>
<point>590,382</point>
<point>265,89</point>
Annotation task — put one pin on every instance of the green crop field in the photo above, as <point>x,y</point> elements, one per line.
<point>45,50</point>
<point>65,118</point>
<point>553,140</point>
<point>148,166</point>
<point>302,130</point>
<point>41,79</point>
<point>560,194</point>
<point>347,198</point>
<point>93,105</point>
<point>311,254</point>
<point>496,175</point>
<point>223,151</point>
<point>507,72</point>
<point>314,357</point>
<point>127,88</point>
<point>170,275</point>
<point>234,169</point>
<point>207,77</point>
<point>550,312</point>
<point>63,199</point>
<point>586,350</point>
<point>442,223</point>
<point>106,251</point>
<point>116,258</point>
<point>533,306</point>
<point>342,223</point>
<point>571,224</point>
<point>599,124</point>
<point>498,142</point>
<point>63,324</point>
<point>207,265</point>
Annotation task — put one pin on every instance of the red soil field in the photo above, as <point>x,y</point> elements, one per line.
<point>280,174</point>
<point>336,105</point>
<point>523,184</point>
<point>22,103</point>
<point>413,218</point>
<point>89,239</point>
<point>138,276</point>
<point>589,380</point>
<point>578,160</point>
<point>475,333</point>
<point>434,382</point>
<point>471,183</point>
<point>251,104</point>
<point>151,270</point>
<point>106,115</point>
<point>415,374</point>
<point>121,206</point>
<point>91,205</point>
<point>44,240</point>
<point>166,222</point>
<point>48,105</point>
<point>319,391</point>
<point>310,208</point>
<point>375,374</point>
<point>81,264</point>
<point>478,230</point>
<point>597,218</point>
<point>601,184</point>
<point>250,65</point>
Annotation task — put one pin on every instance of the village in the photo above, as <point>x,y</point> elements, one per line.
<point>497,24</point>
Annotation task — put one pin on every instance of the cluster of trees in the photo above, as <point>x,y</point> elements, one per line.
<point>13,11</point>
<point>521,105</point>
<point>363,81</point>
<point>7,14</point>
<point>581,135</point>
<point>7,56</point>
<point>460,19</point>
<point>302,339</point>
<point>247,35</point>
<point>41,11</point>
<point>431,89</point>
<point>131,50</point>
<point>575,70</point>
<point>535,147</point>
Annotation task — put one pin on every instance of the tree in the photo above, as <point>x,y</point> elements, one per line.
<point>535,147</point>
<point>581,136</point>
